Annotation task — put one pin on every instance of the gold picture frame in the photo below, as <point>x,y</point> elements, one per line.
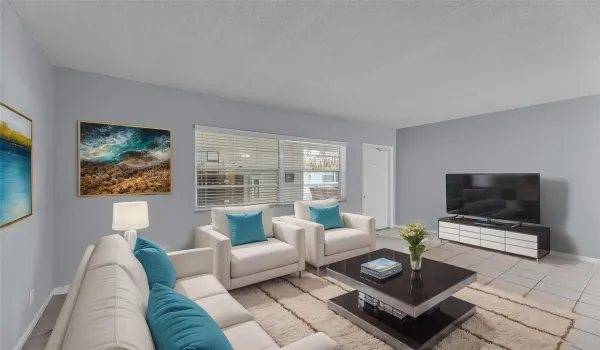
<point>15,147</point>
<point>138,166</point>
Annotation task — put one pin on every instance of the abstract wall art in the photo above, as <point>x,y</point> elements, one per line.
<point>119,159</point>
<point>16,166</point>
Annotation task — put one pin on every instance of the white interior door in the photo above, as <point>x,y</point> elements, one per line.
<point>376,184</point>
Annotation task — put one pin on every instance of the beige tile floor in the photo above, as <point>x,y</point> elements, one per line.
<point>565,283</point>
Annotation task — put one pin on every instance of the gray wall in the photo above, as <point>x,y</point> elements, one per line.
<point>83,96</point>
<point>27,246</point>
<point>559,140</point>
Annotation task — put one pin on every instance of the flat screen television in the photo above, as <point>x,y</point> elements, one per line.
<point>510,197</point>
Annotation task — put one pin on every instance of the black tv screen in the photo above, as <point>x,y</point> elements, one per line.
<point>511,197</point>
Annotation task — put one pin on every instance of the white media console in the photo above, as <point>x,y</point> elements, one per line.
<point>526,241</point>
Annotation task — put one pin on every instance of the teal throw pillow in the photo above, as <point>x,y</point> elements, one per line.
<point>176,322</point>
<point>246,228</point>
<point>156,263</point>
<point>329,217</point>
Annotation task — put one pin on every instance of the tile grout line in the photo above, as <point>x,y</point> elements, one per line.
<point>532,288</point>
<point>584,288</point>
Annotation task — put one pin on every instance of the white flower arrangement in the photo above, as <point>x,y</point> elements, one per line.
<point>415,234</point>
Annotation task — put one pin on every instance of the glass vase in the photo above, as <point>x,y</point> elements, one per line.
<point>415,261</point>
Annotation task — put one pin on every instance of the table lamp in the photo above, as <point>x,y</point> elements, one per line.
<point>129,217</point>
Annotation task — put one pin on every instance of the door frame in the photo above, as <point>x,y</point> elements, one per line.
<point>391,179</point>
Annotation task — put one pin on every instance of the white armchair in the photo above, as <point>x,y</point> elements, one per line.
<point>325,247</point>
<point>237,266</point>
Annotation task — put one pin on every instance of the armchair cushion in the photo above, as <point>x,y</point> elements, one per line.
<point>302,211</point>
<point>246,228</point>
<point>341,240</point>
<point>329,217</point>
<point>220,223</point>
<point>251,258</point>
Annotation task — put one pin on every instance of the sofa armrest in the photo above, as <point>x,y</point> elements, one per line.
<point>314,238</point>
<point>362,223</point>
<point>192,262</point>
<point>316,341</point>
<point>206,237</point>
<point>292,235</point>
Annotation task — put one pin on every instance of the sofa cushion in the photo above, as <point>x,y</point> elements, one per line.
<point>248,336</point>
<point>114,250</point>
<point>225,310</point>
<point>109,313</point>
<point>256,257</point>
<point>220,223</point>
<point>341,240</point>
<point>198,287</point>
<point>301,210</point>
<point>329,217</point>
<point>156,263</point>
<point>177,322</point>
<point>246,228</point>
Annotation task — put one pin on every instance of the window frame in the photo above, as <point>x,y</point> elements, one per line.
<point>280,168</point>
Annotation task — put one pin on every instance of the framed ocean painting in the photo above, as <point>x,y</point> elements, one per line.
<point>16,166</point>
<point>117,159</point>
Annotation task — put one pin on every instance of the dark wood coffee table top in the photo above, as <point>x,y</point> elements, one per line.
<point>413,293</point>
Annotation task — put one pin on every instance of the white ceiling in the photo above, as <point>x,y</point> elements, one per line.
<point>392,63</point>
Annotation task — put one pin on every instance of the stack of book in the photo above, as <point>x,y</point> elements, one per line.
<point>381,268</point>
<point>379,305</point>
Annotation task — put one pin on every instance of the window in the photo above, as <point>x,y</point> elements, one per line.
<point>237,168</point>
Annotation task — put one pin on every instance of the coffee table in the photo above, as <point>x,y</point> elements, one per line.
<point>425,297</point>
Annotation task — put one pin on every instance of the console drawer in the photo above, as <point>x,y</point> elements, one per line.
<point>469,240</point>
<point>514,235</point>
<point>448,236</point>
<point>470,228</point>
<point>469,234</point>
<point>448,224</point>
<point>493,245</point>
<point>519,243</point>
<point>522,251</point>
<point>492,238</point>
<point>489,231</point>
<point>452,231</point>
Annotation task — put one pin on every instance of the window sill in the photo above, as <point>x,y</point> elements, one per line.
<point>272,205</point>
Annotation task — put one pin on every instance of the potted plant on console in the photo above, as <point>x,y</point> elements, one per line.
<point>415,235</point>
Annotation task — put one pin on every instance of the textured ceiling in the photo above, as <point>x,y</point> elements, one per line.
<point>393,63</point>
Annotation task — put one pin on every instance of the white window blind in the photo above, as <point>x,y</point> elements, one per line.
<point>312,171</point>
<point>238,168</point>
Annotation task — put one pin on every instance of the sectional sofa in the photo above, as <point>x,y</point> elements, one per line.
<point>107,301</point>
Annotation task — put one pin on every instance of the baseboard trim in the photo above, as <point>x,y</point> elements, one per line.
<point>61,290</point>
<point>574,257</point>
<point>429,232</point>
<point>38,315</point>
<point>35,320</point>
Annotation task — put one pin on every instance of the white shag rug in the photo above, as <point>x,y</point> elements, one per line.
<point>290,309</point>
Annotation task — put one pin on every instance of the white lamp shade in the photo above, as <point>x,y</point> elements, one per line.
<point>130,216</point>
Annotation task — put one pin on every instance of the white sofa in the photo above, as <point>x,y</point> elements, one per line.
<point>106,305</point>
<point>326,247</point>
<point>239,266</point>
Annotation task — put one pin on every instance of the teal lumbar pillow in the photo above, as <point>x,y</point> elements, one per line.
<point>329,217</point>
<point>157,264</point>
<point>246,228</point>
<point>176,322</point>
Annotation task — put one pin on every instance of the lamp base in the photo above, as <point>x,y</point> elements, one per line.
<point>130,236</point>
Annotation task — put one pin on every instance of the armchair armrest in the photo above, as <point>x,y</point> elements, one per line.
<point>293,235</point>
<point>362,223</point>
<point>192,262</point>
<point>314,238</point>
<point>206,237</point>
<point>316,341</point>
